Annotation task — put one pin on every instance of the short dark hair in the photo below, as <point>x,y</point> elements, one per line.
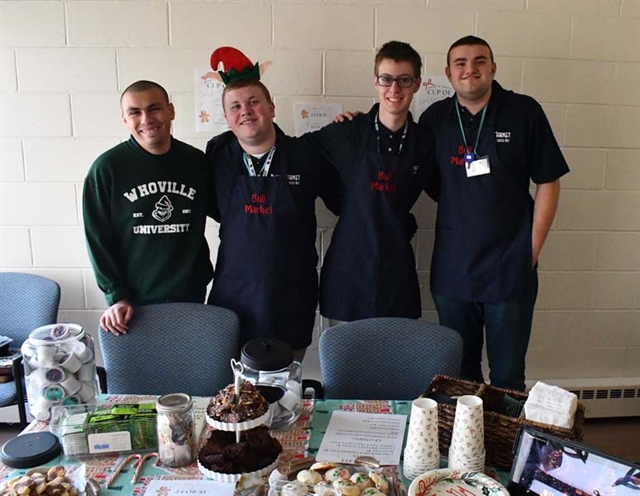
<point>144,85</point>
<point>467,41</point>
<point>236,84</point>
<point>399,51</point>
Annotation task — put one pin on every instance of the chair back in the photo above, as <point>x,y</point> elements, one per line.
<point>172,348</point>
<point>386,358</point>
<point>27,301</point>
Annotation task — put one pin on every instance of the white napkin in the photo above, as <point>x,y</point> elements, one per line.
<point>551,405</point>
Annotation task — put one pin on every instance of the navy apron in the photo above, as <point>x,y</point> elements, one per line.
<point>370,269</point>
<point>266,267</point>
<point>483,246</point>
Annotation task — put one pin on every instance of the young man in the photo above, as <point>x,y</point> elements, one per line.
<point>489,143</point>
<point>266,185</point>
<point>370,269</point>
<point>144,207</point>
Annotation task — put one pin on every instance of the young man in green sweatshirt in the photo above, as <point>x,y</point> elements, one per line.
<point>144,205</point>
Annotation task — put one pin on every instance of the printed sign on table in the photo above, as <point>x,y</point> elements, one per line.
<point>189,487</point>
<point>352,434</point>
<point>432,89</point>
<point>313,116</point>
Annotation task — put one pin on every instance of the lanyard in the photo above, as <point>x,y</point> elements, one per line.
<point>402,139</point>
<point>265,168</point>
<point>470,156</point>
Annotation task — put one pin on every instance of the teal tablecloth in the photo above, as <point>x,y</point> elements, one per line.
<point>302,439</point>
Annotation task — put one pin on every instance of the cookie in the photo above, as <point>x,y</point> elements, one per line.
<point>337,473</point>
<point>363,481</point>
<point>323,488</point>
<point>380,481</point>
<point>345,487</point>
<point>310,477</point>
<point>372,491</point>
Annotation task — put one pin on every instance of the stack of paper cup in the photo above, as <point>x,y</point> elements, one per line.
<point>422,452</point>
<point>467,439</point>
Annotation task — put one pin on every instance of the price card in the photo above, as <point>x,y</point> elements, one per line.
<point>353,434</point>
<point>109,441</point>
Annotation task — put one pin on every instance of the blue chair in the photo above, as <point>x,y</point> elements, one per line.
<point>386,358</point>
<point>172,348</point>
<point>27,301</point>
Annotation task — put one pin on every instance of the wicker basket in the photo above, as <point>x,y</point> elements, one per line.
<point>499,430</point>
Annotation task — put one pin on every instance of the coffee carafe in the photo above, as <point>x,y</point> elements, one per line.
<point>269,365</point>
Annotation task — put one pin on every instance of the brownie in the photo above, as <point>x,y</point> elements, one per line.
<point>224,408</point>
<point>256,450</point>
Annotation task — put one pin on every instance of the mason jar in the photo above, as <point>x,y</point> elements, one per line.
<point>60,368</point>
<point>177,443</point>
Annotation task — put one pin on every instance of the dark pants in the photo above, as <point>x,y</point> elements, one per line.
<point>508,328</point>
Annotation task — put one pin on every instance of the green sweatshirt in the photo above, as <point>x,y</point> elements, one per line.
<point>144,218</point>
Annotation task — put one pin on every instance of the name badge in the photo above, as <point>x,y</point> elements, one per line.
<point>478,167</point>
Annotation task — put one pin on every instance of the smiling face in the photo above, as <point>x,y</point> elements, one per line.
<point>249,114</point>
<point>471,71</point>
<point>147,115</point>
<point>394,100</point>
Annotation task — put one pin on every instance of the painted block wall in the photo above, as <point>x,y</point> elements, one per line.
<point>63,64</point>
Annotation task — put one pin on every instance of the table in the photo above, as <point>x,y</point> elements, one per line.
<point>301,440</point>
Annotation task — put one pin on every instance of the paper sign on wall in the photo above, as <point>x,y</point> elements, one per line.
<point>313,116</point>
<point>432,89</point>
<point>209,113</point>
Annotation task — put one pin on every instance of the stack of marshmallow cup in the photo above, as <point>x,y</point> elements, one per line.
<point>466,451</point>
<point>422,452</point>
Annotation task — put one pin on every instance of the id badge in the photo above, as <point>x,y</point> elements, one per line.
<point>478,167</point>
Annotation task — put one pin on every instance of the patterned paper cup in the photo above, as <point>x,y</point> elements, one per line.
<point>419,465</point>
<point>422,435</point>
<point>413,471</point>
<point>458,461</point>
<point>467,437</point>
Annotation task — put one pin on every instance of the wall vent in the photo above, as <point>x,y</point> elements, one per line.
<point>615,397</point>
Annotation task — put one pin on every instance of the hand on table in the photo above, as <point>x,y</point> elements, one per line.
<point>116,317</point>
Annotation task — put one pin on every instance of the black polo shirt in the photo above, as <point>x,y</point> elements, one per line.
<point>524,140</point>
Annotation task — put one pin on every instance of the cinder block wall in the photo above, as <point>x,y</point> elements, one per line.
<point>65,62</point>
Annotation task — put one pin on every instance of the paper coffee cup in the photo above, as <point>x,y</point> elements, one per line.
<point>71,400</point>
<point>54,393</point>
<point>70,362</point>
<point>54,375</point>
<point>87,392</point>
<point>71,385</point>
<point>81,351</point>
<point>40,409</point>
<point>45,355</point>
<point>86,372</point>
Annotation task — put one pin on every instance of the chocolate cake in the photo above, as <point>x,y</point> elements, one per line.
<point>256,450</point>
<point>223,407</point>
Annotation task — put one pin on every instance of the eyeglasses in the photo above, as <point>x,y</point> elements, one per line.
<point>402,81</point>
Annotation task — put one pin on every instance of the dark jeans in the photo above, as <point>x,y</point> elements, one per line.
<point>508,327</point>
